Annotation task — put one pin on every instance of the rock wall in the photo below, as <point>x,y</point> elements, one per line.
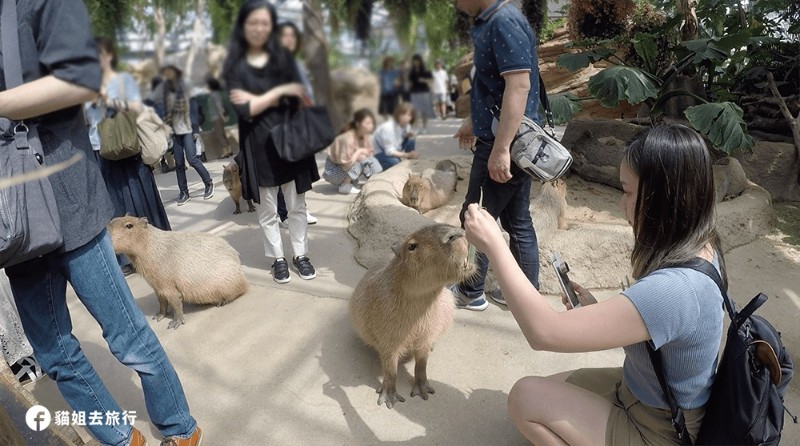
<point>775,167</point>
<point>353,88</point>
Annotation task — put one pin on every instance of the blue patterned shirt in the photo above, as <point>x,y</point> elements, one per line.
<point>504,43</point>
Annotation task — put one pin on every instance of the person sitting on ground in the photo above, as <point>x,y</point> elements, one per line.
<point>668,199</point>
<point>351,155</point>
<point>393,140</point>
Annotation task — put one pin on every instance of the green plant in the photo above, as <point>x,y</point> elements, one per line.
<point>550,27</point>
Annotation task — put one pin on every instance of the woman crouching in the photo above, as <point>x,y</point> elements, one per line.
<point>351,155</point>
<point>668,199</point>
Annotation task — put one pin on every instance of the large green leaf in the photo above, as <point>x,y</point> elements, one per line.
<point>705,50</point>
<point>722,123</point>
<point>617,83</point>
<point>576,61</point>
<point>564,106</point>
<point>646,48</point>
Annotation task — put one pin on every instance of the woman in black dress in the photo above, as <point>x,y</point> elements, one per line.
<point>263,81</point>
<point>129,181</point>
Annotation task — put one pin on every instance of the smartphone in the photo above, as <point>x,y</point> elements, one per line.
<point>562,269</point>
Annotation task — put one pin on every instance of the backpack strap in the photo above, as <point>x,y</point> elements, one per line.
<point>12,65</point>
<point>678,420</point>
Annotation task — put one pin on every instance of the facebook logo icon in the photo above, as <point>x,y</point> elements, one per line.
<point>37,418</point>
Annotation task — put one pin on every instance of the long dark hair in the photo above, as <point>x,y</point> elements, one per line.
<point>107,45</point>
<point>419,68</point>
<point>674,216</point>
<point>297,35</point>
<point>358,116</point>
<point>237,47</point>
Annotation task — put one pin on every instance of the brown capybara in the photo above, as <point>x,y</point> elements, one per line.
<point>192,267</point>
<point>401,308</point>
<point>432,188</point>
<point>230,177</point>
<point>550,206</point>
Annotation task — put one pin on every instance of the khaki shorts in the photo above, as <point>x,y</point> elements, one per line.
<point>632,422</point>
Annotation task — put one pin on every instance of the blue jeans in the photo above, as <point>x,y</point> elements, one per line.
<point>408,145</point>
<point>510,202</point>
<point>184,145</point>
<point>39,287</point>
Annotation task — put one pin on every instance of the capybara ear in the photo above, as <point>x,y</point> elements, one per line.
<point>396,248</point>
<point>143,221</point>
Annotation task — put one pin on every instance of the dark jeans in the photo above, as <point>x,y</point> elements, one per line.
<point>409,144</point>
<point>511,203</point>
<point>184,151</point>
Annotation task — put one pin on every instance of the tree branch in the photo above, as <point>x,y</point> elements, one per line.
<point>794,121</point>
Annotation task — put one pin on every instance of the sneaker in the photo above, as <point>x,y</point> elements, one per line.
<point>27,370</point>
<point>348,189</point>
<point>497,296</point>
<point>183,198</point>
<point>463,301</point>
<point>137,439</point>
<point>209,192</point>
<point>280,271</point>
<point>310,218</point>
<point>304,267</point>
<point>195,440</point>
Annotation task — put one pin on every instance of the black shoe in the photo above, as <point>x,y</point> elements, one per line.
<point>280,271</point>
<point>183,198</point>
<point>304,267</point>
<point>209,192</point>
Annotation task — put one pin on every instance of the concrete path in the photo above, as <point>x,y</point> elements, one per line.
<point>282,365</point>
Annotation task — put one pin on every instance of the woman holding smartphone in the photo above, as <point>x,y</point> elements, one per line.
<point>668,199</point>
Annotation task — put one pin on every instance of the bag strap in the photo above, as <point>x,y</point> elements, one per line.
<point>677,418</point>
<point>12,64</point>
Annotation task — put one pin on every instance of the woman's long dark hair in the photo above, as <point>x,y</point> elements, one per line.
<point>674,216</point>
<point>237,47</point>
<point>418,68</point>
<point>297,35</point>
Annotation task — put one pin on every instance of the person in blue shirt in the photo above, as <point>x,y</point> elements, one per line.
<point>505,70</point>
<point>390,82</point>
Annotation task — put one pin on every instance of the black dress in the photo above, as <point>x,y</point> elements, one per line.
<point>259,163</point>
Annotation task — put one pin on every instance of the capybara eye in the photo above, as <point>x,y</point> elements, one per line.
<point>412,246</point>
<point>128,225</point>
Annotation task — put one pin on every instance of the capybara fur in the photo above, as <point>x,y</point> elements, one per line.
<point>230,177</point>
<point>432,188</point>
<point>401,308</point>
<point>192,267</point>
<point>550,206</point>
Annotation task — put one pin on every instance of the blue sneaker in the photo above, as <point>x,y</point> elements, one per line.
<point>466,303</point>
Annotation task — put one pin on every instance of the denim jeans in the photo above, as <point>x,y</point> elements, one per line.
<point>39,288</point>
<point>387,161</point>
<point>184,150</point>
<point>510,202</point>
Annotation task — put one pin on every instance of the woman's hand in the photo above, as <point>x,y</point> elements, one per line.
<point>241,96</point>
<point>466,139</point>
<point>481,229</point>
<point>584,296</point>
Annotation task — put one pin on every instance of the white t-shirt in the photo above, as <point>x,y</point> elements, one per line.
<point>388,137</point>
<point>440,79</point>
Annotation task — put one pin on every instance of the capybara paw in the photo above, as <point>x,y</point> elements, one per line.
<point>251,209</point>
<point>237,211</point>
<point>158,317</point>
<point>389,396</point>
<point>175,324</point>
<point>422,389</point>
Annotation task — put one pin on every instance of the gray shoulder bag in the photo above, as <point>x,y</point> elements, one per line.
<point>29,223</point>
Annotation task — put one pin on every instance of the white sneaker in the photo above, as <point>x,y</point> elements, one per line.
<point>348,189</point>
<point>310,218</point>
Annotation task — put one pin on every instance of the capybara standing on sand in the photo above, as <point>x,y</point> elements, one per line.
<point>402,308</point>
<point>432,188</point>
<point>232,182</point>
<point>550,207</point>
<point>192,267</point>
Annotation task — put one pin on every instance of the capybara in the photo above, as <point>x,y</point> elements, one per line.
<point>550,206</point>
<point>230,177</point>
<point>192,267</point>
<point>432,188</point>
<point>401,308</point>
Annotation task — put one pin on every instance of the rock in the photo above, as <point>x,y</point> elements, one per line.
<point>596,148</point>
<point>353,88</point>
<point>745,218</point>
<point>775,167</point>
<point>729,178</point>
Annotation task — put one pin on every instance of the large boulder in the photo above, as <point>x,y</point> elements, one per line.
<point>353,88</point>
<point>596,148</point>
<point>745,218</point>
<point>775,167</point>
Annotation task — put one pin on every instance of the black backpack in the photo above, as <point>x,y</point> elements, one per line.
<point>746,402</point>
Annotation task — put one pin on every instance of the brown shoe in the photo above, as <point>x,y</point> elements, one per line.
<point>195,440</point>
<point>137,439</point>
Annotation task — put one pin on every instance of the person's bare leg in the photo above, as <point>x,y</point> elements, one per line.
<point>549,411</point>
